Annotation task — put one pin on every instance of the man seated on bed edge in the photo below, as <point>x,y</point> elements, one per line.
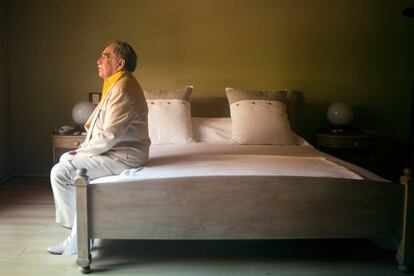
<point>117,136</point>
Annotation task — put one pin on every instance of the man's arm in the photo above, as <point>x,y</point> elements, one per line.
<point>120,112</point>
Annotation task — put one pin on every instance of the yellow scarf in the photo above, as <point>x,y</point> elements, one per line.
<point>110,81</point>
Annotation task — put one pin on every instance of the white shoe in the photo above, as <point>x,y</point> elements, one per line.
<point>59,248</point>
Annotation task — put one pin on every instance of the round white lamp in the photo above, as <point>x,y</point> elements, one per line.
<point>81,112</point>
<point>340,115</point>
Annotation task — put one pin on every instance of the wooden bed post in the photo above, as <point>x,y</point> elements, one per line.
<point>405,253</point>
<point>84,251</point>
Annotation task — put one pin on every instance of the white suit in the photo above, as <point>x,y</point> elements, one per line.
<point>117,139</point>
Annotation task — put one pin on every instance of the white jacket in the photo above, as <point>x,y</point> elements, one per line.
<point>118,127</point>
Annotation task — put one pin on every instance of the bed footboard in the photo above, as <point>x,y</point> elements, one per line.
<point>84,250</point>
<point>405,253</point>
<point>240,207</point>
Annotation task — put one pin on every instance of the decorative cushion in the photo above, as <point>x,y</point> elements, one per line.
<point>259,117</point>
<point>213,130</point>
<point>236,95</point>
<point>169,116</point>
<point>168,94</point>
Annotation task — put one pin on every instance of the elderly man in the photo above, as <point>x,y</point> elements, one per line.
<point>117,133</point>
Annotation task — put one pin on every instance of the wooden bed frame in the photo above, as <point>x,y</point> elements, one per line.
<point>244,207</point>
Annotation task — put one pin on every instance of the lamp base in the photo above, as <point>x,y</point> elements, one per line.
<point>335,129</point>
<point>79,130</point>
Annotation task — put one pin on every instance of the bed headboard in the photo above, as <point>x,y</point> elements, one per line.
<point>211,107</point>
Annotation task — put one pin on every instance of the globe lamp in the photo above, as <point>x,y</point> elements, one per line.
<point>81,112</point>
<point>340,115</point>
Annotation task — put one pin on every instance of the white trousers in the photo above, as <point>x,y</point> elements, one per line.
<point>62,178</point>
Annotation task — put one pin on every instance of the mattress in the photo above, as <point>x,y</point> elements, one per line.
<point>220,159</point>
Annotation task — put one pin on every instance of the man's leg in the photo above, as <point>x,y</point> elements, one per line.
<point>62,178</point>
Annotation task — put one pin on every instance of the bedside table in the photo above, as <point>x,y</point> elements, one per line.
<point>355,145</point>
<point>64,143</point>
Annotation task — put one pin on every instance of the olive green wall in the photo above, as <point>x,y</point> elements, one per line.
<point>5,164</point>
<point>349,50</point>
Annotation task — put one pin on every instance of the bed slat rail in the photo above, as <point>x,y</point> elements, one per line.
<point>245,207</point>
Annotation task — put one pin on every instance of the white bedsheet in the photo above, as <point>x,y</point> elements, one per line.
<point>207,159</point>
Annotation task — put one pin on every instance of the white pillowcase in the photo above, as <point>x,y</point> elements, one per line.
<point>213,130</point>
<point>260,122</point>
<point>169,121</point>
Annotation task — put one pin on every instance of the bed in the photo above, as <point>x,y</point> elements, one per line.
<point>218,190</point>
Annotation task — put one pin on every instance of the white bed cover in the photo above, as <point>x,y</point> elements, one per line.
<point>208,159</point>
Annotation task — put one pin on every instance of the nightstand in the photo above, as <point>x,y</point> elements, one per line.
<point>354,145</point>
<point>64,143</point>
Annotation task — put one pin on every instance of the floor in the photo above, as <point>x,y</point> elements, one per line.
<point>27,227</point>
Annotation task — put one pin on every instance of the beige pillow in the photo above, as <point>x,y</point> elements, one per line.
<point>236,95</point>
<point>169,116</point>
<point>259,117</point>
<point>168,94</point>
<point>213,130</point>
